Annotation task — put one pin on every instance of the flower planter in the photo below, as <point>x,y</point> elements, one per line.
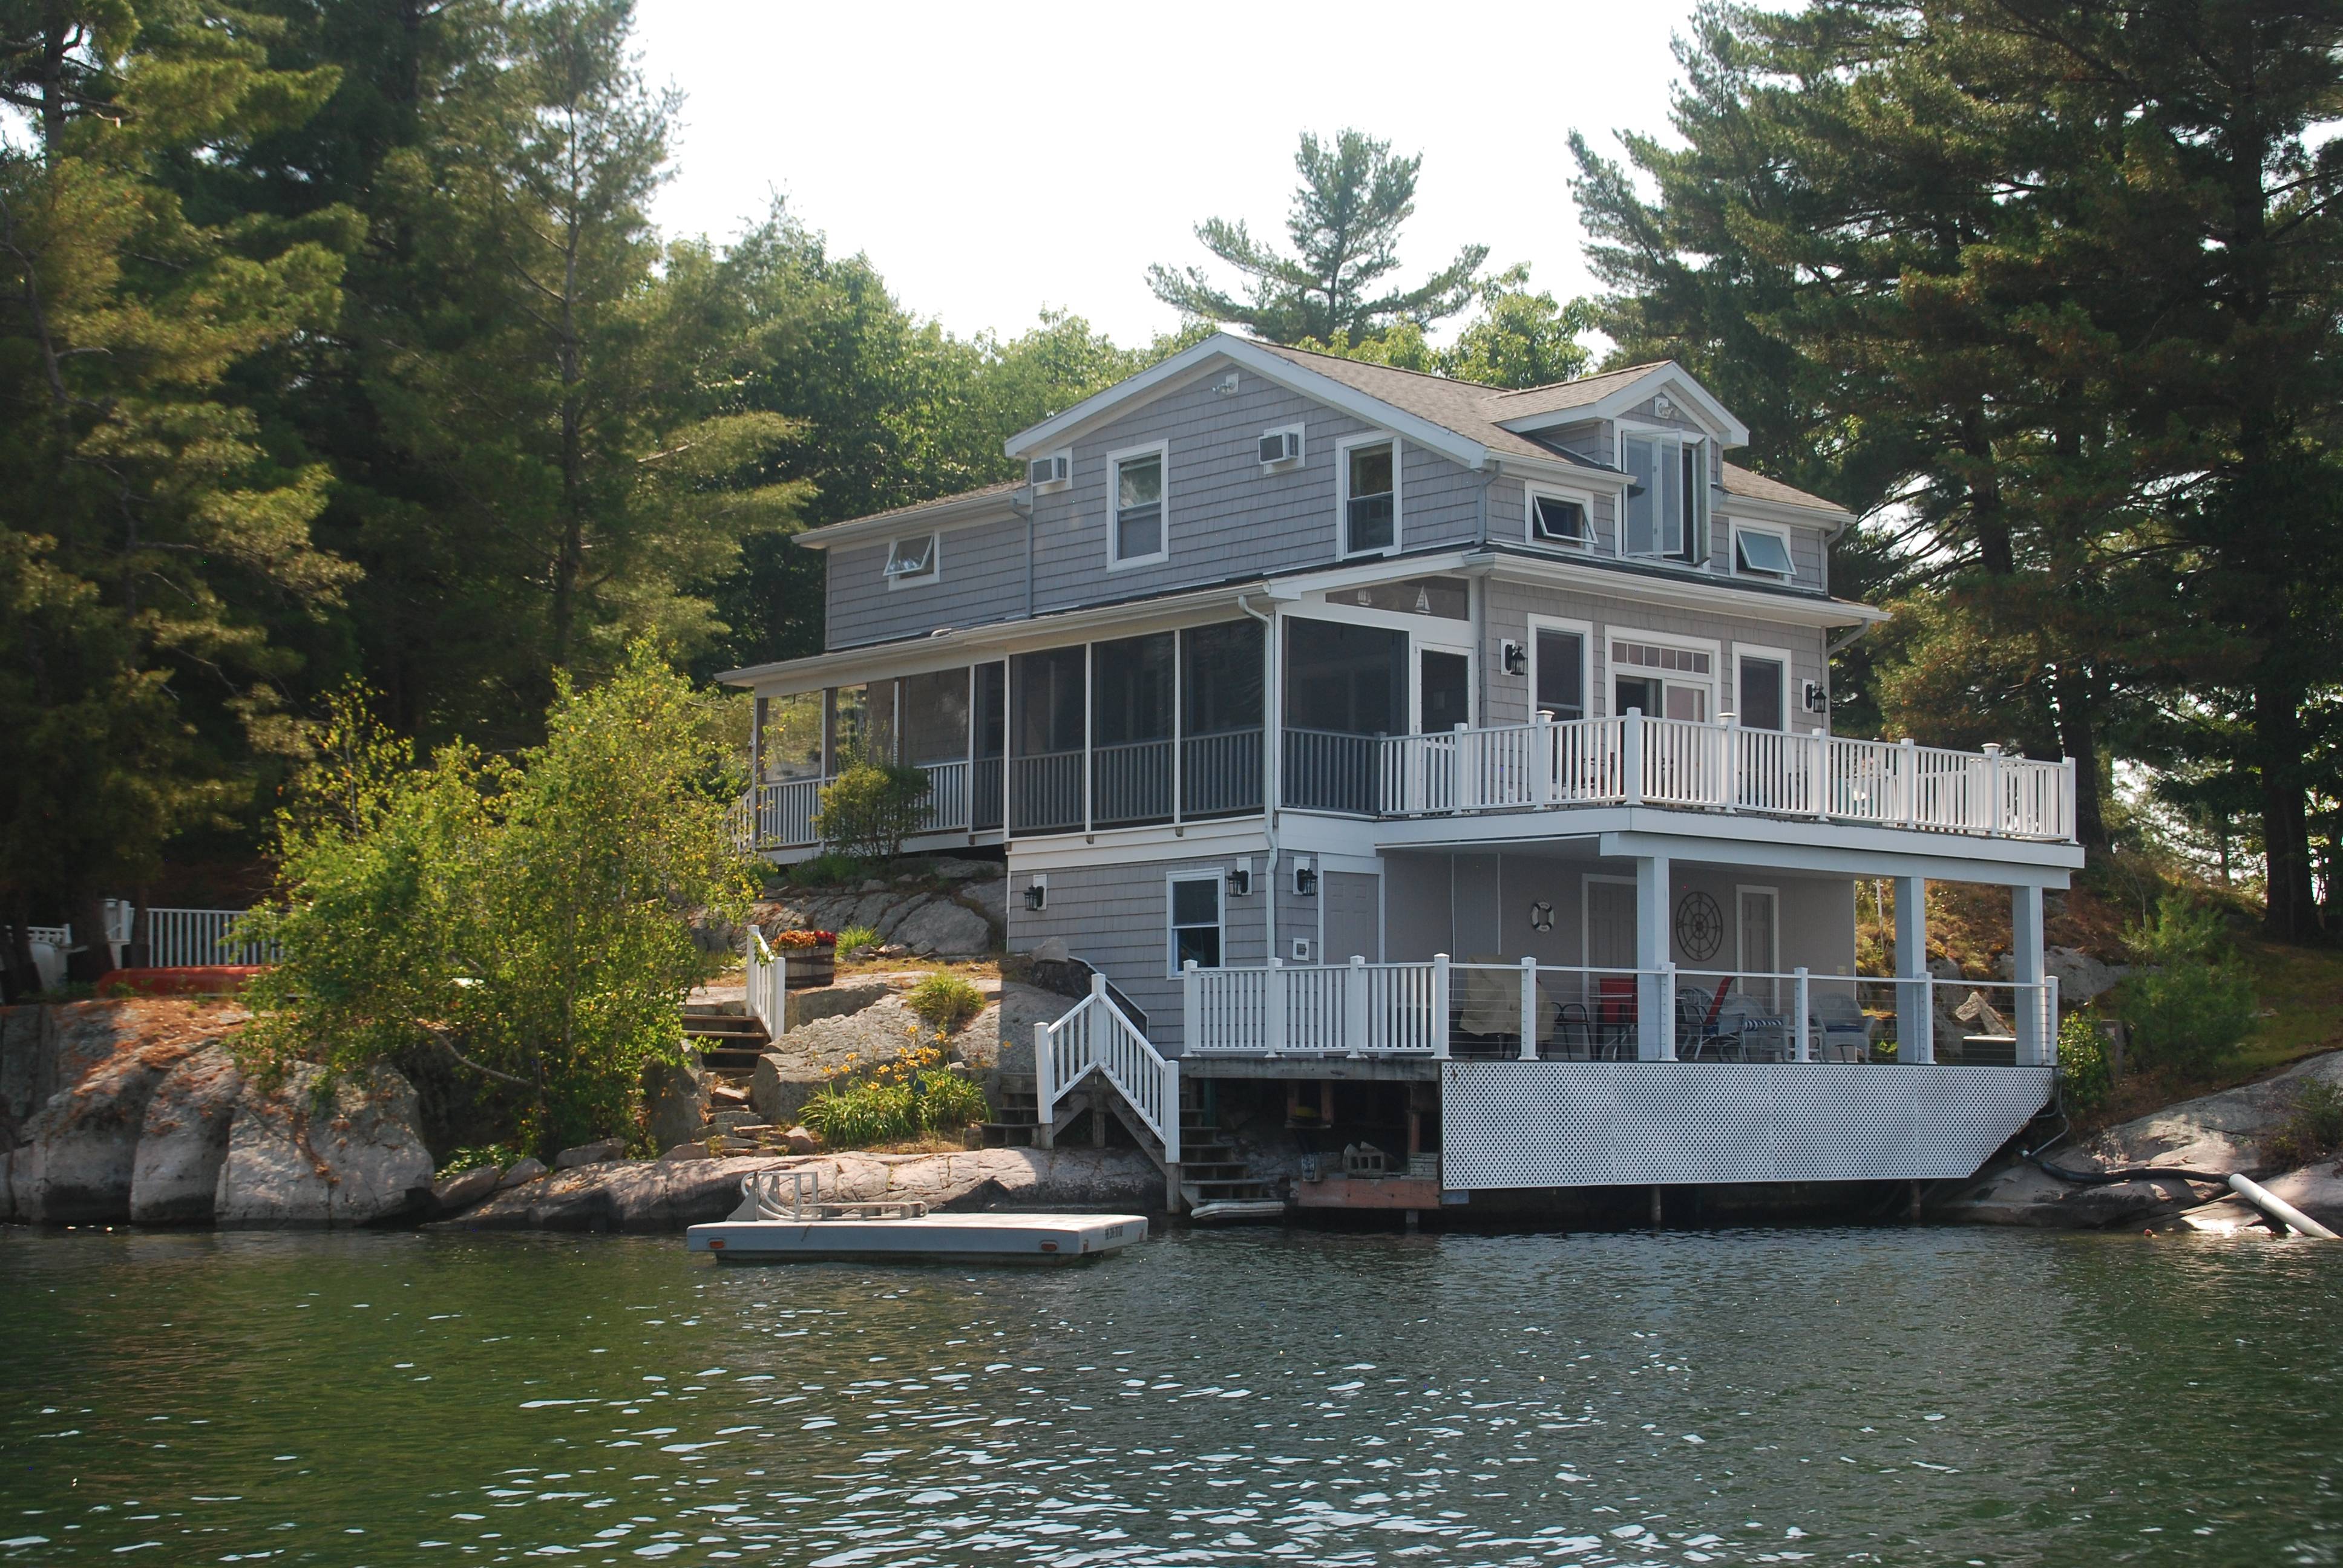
<point>811,967</point>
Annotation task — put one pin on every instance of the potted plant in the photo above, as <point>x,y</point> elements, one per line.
<point>812,957</point>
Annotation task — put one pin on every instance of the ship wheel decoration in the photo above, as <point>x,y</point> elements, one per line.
<point>1700,926</point>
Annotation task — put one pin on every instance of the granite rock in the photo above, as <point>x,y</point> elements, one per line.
<point>522,1171</point>
<point>942,929</point>
<point>80,1150</point>
<point>453,1194</point>
<point>183,1141</point>
<point>307,1153</point>
<point>599,1153</point>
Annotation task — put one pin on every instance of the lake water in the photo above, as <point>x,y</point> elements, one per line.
<point>1924,1396</point>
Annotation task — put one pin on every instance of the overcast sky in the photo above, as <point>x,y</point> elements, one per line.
<point>994,160</point>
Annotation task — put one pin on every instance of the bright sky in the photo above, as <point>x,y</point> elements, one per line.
<point>994,160</point>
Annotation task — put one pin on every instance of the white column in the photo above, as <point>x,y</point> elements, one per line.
<point>1916,1026</point>
<point>2026,969</point>
<point>1529,1009</point>
<point>1042,1087</point>
<point>1804,1051</point>
<point>1655,1008</point>
<point>1440,1006</point>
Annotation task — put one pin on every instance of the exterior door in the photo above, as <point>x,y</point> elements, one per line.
<point>1610,925</point>
<point>1444,691</point>
<point>1760,952</point>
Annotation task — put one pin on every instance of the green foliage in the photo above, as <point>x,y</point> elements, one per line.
<point>863,1114</point>
<point>947,1102</point>
<point>1344,222</point>
<point>945,1001</point>
<point>829,869</point>
<point>488,1156</point>
<point>871,807</point>
<point>2084,1074</point>
<point>915,1091</point>
<point>854,938</point>
<point>1522,337</point>
<point>2313,1129</point>
<point>2193,1003</point>
<point>528,919</point>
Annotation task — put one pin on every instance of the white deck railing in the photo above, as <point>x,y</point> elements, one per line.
<point>1096,1036</point>
<point>1633,760</point>
<point>768,985</point>
<point>780,816</point>
<point>1441,1009</point>
<point>193,938</point>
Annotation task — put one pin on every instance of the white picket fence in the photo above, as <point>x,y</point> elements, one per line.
<point>186,937</point>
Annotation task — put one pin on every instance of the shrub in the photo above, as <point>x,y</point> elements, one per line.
<point>949,1101</point>
<point>868,810</point>
<point>946,1002</point>
<point>800,941</point>
<point>2084,1075</point>
<point>2314,1128</point>
<point>914,1091</point>
<point>864,1114</point>
<point>494,1155</point>
<point>2194,1005</point>
<point>828,870</point>
<point>855,938</point>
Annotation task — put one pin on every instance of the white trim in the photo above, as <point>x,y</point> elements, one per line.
<point>1665,376</point>
<point>1161,451</point>
<point>932,573</point>
<point>1217,878</point>
<point>1821,515</point>
<point>1432,630</point>
<point>1735,528</point>
<point>993,505</point>
<point>1052,487</point>
<point>1741,705</point>
<point>1614,633</point>
<point>1681,589</point>
<point>1300,431</point>
<point>1698,553</point>
<point>1342,450</point>
<point>1587,648</point>
<point>1532,491</point>
<point>1416,649</point>
<point>1273,367</point>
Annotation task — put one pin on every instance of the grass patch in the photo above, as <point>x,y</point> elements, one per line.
<point>945,1001</point>
<point>917,1094</point>
<point>854,938</point>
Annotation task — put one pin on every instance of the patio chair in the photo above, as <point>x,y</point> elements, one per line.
<point>1837,1028</point>
<point>1489,1003</point>
<point>1573,1032</point>
<point>1614,1017</point>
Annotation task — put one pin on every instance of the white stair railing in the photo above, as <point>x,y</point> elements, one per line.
<point>1095,1036</point>
<point>768,985</point>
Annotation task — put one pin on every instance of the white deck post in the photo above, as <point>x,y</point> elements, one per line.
<point>1818,775</point>
<point>2068,804</point>
<point>1992,789</point>
<point>2026,969</point>
<point>1655,1005</point>
<point>1541,769</point>
<point>1728,769</point>
<point>1916,1023</point>
<point>1272,1002</point>
<point>1440,1006</point>
<point>1806,1045</point>
<point>1170,1128</point>
<point>1910,766</point>
<point>1529,1009</point>
<point>1458,800</point>
<point>1191,1025</point>
<point>1354,1005</point>
<point>1041,1111</point>
<point>1631,756</point>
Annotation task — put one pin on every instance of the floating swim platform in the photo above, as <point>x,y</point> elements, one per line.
<point>782,1219</point>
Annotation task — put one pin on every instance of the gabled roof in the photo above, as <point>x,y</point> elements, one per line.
<point>1463,420</point>
<point>967,507</point>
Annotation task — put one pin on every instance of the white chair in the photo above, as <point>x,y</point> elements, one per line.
<point>1837,1028</point>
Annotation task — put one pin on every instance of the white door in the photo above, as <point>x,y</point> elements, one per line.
<point>1610,925</point>
<point>1760,950</point>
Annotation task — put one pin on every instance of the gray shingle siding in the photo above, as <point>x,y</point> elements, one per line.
<point>979,578</point>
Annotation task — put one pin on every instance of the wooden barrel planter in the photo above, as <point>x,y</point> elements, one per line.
<point>815,964</point>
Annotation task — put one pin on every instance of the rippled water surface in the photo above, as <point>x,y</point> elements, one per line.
<point>1921,1396</point>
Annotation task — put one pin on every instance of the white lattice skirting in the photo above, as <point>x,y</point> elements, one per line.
<point>1507,1124</point>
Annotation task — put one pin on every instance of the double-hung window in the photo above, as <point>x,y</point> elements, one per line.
<point>1195,922</point>
<point>1137,528</point>
<point>911,560</point>
<point>1370,497</point>
<point>1666,507</point>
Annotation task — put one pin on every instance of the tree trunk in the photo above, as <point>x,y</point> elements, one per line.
<point>2078,737</point>
<point>2290,909</point>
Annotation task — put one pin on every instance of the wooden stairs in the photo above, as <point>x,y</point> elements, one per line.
<point>1214,1182</point>
<point>728,1042</point>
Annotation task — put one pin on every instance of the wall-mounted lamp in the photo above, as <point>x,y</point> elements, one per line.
<point>1037,893</point>
<point>1240,878</point>
<point>1305,876</point>
<point>1516,657</point>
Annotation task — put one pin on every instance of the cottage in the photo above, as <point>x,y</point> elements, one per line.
<point>1463,750</point>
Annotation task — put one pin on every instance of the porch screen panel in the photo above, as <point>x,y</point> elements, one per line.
<point>864,727</point>
<point>988,791</point>
<point>793,737</point>
<point>1220,708</point>
<point>1344,686</point>
<point>1130,728</point>
<point>935,717</point>
<point>1045,788</point>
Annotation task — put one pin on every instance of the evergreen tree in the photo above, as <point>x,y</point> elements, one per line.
<point>1344,226</point>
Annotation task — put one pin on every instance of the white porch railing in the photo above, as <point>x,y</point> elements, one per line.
<point>192,937</point>
<point>1095,1036</point>
<point>1441,1008</point>
<point>768,985</point>
<point>1635,760</point>
<point>780,816</point>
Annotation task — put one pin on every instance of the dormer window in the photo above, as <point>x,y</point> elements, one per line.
<point>911,560</point>
<point>1761,553</point>
<point>1560,520</point>
<point>1666,515</point>
<point>1136,533</point>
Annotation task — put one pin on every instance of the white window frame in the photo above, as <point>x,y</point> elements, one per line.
<point>1343,449</point>
<point>1301,433</point>
<point>1218,877</point>
<point>935,568</point>
<point>1115,559</point>
<point>1531,494</point>
<point>1781,536</point>
<point>1790,708</point>
<point>1715,651</point>
<point>1416,649</point>
<point>1587,648</point>
<point>1622,431</point>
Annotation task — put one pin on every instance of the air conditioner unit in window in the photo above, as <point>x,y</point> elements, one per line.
<point>1049,470</point>
<point>1281,446</point>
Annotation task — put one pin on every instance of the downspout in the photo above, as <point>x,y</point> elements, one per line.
<point>1272,755</point>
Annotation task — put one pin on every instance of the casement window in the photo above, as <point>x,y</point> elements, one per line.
<point>1559,518</point>
<point>1195,919</point>
<point>911,560</point>
<point>1370,473</point>
<point>1558,671</point>
<point>1760,552</point>
<point>1138,531</point>
<point>1665,514</point>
